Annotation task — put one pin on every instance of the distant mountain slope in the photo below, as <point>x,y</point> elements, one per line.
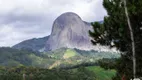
<point>68,31</point>
<point>35,44</point>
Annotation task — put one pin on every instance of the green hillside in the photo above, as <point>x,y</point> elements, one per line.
<point>69,53</point>
<point>69,59</point>
<point>35,44</point>
<point>63,57</point>
<point>102,74</point>
<point>10,57</point>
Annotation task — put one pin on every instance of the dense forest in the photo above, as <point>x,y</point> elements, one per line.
<point>31,73</point>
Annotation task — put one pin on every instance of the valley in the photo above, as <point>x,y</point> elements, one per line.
<point>66,53</point>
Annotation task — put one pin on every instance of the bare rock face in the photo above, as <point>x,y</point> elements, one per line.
<point>69,31</point>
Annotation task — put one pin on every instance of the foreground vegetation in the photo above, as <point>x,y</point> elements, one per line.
<point>31,73</point>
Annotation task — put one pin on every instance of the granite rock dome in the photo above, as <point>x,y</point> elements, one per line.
<point>69,31</point>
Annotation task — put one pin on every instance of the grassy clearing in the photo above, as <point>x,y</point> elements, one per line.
<point>69,53</point>
<point>102,74</point>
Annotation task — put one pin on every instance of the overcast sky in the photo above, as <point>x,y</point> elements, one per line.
<point>25,19</point>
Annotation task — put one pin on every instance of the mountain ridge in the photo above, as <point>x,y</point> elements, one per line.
<point>35,44</point>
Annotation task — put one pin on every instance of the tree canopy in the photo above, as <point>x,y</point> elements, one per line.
<point>115,32</point>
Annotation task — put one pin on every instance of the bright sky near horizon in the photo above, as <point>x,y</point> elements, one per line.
<point>25,19</point>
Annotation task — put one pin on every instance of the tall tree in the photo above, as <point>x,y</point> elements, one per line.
<point>116,30</point>
<point>132,39</point>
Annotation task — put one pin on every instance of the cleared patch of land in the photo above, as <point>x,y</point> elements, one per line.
<point>102,74</point>
<point>69,53</point>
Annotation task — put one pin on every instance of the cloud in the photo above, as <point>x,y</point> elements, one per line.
<point>26,19</point>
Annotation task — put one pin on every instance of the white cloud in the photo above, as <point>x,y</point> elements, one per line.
<point>25,19</point>
<point>10,35</point>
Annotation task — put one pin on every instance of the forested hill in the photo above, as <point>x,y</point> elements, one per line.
<point>13,57</point>
<point>62,57</point>
<point>35,44</point>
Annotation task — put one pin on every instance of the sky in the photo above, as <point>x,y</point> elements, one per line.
<point>25,19</point>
